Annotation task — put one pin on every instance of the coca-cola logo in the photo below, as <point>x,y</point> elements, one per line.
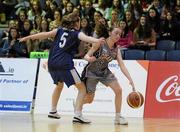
<point>169,90</point>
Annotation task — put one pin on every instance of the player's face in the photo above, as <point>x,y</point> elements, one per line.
<point>115,34</point>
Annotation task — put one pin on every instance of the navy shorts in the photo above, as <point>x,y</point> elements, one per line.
<point>69,77</point>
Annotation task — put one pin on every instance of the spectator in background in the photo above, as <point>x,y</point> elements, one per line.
<point>44,27</point>
<point>81,7</point>
<point>114,18</point>
<point>22,16</point>
<point>102,7</point>
<point>135,8</point>
<point>96,17</point>
<point>7,10</point>
<point>154,19</point>
<point>84,46</point>
<point>177,17</point>
<point>11,46</point>
<point>37,22</point>
<point>167,28</point>
<point>86,27</point>
<point>100,28</point>
<point>77,11</point>
<point>26,28</point>
<point>119,7</point>
<point>57,19</point>
<point>64,5</point>
<point>126,38</point>
<point>2,12</point>
<point>89,10</point>
<point>131,21</point>
<point>46,6</point>
<point>69,8</point>
<point>35,10</point>
<point>11,23</point>
<point>33,45</point>
<point>155,4</point>
<point>45,44</point>
<point>144,36</point>
<point>177,7</point>
<point>50,10</point>
<point>21,5</point>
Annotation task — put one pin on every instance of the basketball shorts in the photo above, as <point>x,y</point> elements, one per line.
<point>92,82</point>
<point>69,77</point>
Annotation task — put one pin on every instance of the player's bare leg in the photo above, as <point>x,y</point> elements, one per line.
<point>78,118</point>
<point>55,98</point>
<point>119,120</point>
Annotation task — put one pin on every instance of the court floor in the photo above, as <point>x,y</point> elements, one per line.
<point>10,122</point>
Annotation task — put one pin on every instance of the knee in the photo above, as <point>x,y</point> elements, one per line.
<point>89,98</point>
<point>118,91</point>
<point>90,101</point>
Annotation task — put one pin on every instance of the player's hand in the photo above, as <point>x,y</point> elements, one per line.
<point>91,58</point>
<point>132,84</point>
<point>23,39</point>
<point>102,41</point>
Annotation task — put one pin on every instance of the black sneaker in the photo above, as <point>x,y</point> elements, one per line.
<point>80,119</point>
<point>54,115</point>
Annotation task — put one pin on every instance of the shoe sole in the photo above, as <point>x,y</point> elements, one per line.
<point>77,120</point>
<point>54,117</point>
<point>120,124</point>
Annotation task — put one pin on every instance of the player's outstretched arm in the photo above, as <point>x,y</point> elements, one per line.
<point>90,39</point>
<point>41,35</point>
<point>89,55</point>
<point>124,70</point>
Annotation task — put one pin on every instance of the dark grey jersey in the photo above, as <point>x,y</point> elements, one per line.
<point>99,68</point>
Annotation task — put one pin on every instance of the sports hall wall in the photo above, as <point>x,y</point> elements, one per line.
<point>26,87</point>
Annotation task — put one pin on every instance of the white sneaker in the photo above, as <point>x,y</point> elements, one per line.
<point>54,115</point>
<point>81,119</point>
<point>120,121</point>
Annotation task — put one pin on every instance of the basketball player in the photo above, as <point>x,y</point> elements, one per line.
<point>97,69</point>
<point>60,62</point>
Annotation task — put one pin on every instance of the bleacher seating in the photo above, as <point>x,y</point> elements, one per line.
<point>155,55</point>
<point>134,55</point>
<point>177,45</point>
<point>173,55</point>
<point>165,45</point>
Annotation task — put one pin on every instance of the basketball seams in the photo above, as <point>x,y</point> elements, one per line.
<point>139,99</point>
<point>135,99</point>
<point>130,103</point>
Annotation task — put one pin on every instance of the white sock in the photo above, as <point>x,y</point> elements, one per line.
<point>118,115</point>
<point>78,113</point>
<point>53,109</point>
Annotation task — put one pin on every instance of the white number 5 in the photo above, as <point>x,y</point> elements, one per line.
<point>63,40</point>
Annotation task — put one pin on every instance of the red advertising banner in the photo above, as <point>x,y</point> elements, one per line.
<point>163,90</point>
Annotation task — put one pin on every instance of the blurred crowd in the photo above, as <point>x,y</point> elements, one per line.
<point>143,22</point>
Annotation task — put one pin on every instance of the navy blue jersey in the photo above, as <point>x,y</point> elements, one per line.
<point>63,49</point>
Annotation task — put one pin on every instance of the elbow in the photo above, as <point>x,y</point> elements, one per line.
<point>85,57</point>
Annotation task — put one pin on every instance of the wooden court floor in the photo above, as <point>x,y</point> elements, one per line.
<point>41,123</point>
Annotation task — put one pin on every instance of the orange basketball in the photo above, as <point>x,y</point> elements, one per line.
<point>135,99</point>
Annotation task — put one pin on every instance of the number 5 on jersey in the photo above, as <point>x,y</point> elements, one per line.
<point>63,40</point>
